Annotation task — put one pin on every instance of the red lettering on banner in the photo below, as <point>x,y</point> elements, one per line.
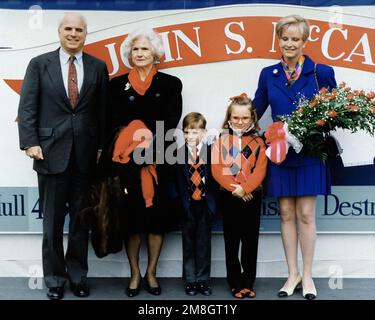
<point>236,38</point>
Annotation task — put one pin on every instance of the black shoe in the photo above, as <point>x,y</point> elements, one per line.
<point>191,289</point>
<point>156,291</point>
<point>133,292</point>
<point>203,288</point>
<point>80,289</point>
<point>55,293</point>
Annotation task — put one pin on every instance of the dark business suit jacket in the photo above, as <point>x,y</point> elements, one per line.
<point>46,117</point>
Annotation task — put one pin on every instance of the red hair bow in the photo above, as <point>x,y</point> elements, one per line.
<point>242,95</point>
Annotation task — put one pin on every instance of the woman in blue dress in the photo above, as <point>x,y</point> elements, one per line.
<point>299,178</point>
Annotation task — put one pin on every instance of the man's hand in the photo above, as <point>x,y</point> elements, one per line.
<point>238,191</point>
<point>35,153</point>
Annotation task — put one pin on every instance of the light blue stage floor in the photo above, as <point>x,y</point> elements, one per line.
<point>173,289</point>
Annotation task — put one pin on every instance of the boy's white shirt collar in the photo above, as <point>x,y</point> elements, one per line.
<point>199,147</point>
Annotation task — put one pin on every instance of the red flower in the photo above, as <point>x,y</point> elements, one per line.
<point>323,90</point>
<point>371,95</point>
<point>342,84</point>
<point>333,95</point>
<point>351,96</point>
<point>347,89</point>
<point>320,123</point>
<point>332,114</point>
<point>352,107</point>
<point>359,93</point>
<point>313,103</point>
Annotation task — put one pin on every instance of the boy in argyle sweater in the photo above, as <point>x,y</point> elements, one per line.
<point>197,194</point>
<point>239,166</point>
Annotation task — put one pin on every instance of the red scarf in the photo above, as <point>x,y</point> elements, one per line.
<point>141,86</point>
<point>124,147</point>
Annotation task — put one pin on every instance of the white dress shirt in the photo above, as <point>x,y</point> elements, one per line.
<point>78,62</point>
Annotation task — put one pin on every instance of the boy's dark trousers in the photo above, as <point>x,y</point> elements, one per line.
<point>196,243</point>
<point>241,224</point>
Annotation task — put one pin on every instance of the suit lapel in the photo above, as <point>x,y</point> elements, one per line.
<point>303,81</point>
<point>88,75</point>
<point>186,165</point>
<point>280,81</point>
<point>206,151</point>
<point>54,71</point>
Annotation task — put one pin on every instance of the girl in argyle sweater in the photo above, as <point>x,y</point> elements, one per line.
<point>239,165</point>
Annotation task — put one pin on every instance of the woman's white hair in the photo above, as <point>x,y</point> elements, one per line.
<point>143,33</point>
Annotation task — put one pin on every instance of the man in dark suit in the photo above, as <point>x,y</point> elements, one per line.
<point>61,127</point>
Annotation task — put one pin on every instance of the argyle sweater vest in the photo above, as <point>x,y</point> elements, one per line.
<point>235,162</point>
<point>196,178</point>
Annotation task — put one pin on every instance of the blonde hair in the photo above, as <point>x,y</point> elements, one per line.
<point>293,20</point>
<point>149,34</point>
<point>194,120</point>
<point>241,100</point>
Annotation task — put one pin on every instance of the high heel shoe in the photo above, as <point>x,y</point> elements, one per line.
<point>156,291</point>
<point>309,294</point>
<point>133,292</point>
<point>286,292</point>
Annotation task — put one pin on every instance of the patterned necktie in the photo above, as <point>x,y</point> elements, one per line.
<point>196,174</point>
<point>72,83</point>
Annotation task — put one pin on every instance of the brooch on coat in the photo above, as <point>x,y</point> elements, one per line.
<point>127,86</point>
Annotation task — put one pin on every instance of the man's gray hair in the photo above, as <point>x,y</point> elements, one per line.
<point>72,14</point>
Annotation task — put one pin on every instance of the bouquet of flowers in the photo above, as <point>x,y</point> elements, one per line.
<point>310,124</point>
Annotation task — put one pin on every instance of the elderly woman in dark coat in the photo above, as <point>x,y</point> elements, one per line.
<point>154,98</point>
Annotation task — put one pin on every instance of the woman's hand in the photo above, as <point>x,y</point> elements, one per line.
<point>247,197</point>
<point>238,191</point>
